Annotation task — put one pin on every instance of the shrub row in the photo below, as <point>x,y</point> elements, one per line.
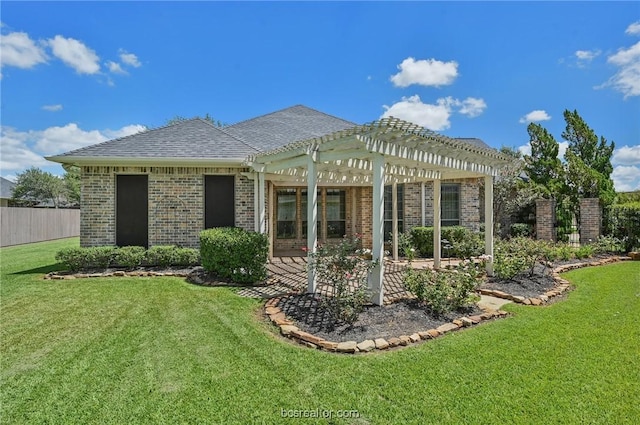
<point>457,241</point>
<point>624,224</point>
<point>102,257</point>
<point>235,254</point>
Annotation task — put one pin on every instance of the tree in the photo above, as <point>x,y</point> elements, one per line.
<point>207,117</point>
<point>543,166</point>
<point>71,180</point>
<point>588,162</point>
<point>35,186</point>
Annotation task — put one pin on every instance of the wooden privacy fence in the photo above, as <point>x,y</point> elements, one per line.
<point>26,225</point>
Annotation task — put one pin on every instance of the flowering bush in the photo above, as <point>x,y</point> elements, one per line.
<point>445,290</point>
<point>344,270</point>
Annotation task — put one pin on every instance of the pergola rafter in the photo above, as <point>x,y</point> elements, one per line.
<point>387,151</point>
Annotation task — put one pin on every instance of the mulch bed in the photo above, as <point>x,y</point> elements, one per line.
<point>400,318</point>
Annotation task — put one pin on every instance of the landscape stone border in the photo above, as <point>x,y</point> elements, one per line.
<point>562,285</point>
<point>289,330</point>
<point>117,273</point>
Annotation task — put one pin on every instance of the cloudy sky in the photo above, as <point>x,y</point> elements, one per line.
<point>79,73</point>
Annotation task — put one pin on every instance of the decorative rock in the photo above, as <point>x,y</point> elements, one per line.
<point>404,339</point>
<point>457,322</point>
<point>487,315</point>
<point>347,347</point>
<point>95,275</point>
<point>394,342</point>
<point>433,333</point>
<point>526,302</point>
<point>381,344</point>
<point>305,336</point>
<point>424,334</point>
<point>328,345</point>
<point>517,298</point>
<point>119,273</point>
<point>366,345</point>
<point>535,301</point>
<point>466,321</point>
<point>272,310</point>
<point>414,337</point>
<point>501,313</point>
<point>287,329</point>
<point>57,277</point>
<point>475,319</point>
<point>447,327</point>
<point>69,277</point>
<point>544,298</point>
<point>310,345</point>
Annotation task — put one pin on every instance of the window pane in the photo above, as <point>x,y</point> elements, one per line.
<point>286,213</point>
<point>388,211</point>
<point>450,204</point>
<point>336,213</point>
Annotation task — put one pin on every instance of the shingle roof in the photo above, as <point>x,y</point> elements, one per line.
<point>474,142</point>
<point>286,126</point>
<point>6,188</point>
<point>194,138</point>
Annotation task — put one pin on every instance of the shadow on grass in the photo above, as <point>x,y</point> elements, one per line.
<point>56,267</point>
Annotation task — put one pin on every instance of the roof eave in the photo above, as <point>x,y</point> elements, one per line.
<point>160,161</point>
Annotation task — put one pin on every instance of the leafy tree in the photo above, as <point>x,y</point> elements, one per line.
<point>34,186</point>
<point>543,166</point>
<point>71,181</point>
<point>207,117</point>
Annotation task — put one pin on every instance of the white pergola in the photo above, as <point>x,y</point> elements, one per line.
<point>387,151</point>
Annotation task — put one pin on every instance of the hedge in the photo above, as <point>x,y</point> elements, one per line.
<point>235,254</point>
<point>464,243</point>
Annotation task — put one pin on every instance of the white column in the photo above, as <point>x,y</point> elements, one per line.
<point>394,218</point>
<point>312,220</point>
<point>262,211</point>
<point>256,205</point>
<point>437,234</point>
<point>377,274</point>
<point>271,228</point>
<point>488,222</point>
<point>423,209</point>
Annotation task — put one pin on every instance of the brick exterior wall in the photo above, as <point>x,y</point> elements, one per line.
<point>546,219</point>
<point>175,207</point>
<point>590,220</point>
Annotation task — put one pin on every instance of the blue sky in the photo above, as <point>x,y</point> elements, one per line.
<point>77,73</point>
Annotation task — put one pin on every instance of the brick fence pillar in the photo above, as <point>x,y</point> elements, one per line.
<point>546,219</point>
<point>590,220</point>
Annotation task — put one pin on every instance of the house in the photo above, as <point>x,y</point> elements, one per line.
<point>297,174</point>
<point>6,191</point>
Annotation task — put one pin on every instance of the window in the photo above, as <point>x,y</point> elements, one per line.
<point>336,213</point>
<point>303,212</point>
<point>286,216</point>
<point>450,204</point>
<point>388,211</point>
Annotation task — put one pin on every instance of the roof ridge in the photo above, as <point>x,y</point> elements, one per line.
<point>233,136</point>
<point>290,107</point>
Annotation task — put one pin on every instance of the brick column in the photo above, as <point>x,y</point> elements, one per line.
<point>546,219</point>
<point>590,220</point>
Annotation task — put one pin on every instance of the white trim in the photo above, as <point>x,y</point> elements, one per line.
<point>160,161</point>
<point>437,232</point>
<point>488,223</point>
<point>377,274</point>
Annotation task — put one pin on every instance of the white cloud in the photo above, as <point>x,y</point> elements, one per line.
<point>129,59</point>
<point>627,79</point>
<point>115,68</point>
<point>535,116</point>
<point>433,116</point>
<point>633,29</point>
<point>562,148</point>
<point>75,54</point>
<point>19,50</point>
<point>23,149</point>
<point>52,108</point>
<point>626,155</point>
<point>587,55</point>
<point>429,72</point>
<point>472,107</point>
<point>626,178</point>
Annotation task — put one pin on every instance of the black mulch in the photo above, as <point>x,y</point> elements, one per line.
<point>523,284</point>
<point>400,318</point>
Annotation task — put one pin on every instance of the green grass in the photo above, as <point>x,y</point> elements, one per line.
<point>159,350</point>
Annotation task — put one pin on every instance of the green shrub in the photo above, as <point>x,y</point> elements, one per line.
<point>585,251</point>
<point>100,257</point>
<point>186,257</point>
<point>608,245</point>
<point>73,259</point>
<point>463,242</point>
<point>444,290</point>
<point>520,230</point>
<point>235,254</point>
<point>518,255</point>
<point>160,255</point>
<point>129,256</point>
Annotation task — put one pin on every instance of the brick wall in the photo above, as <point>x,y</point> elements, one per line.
<point>590,220</point>
<point>546,219</point>
<point>176,203</point>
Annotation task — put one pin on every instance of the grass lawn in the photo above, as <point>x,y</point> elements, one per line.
<point>159,350</point>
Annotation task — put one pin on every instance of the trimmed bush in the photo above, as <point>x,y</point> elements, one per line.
<point>463,242</point>
<point>129,256</point>
<point>100,257</point>
<point>235,254</point>
<point>186,257</point>
<point>160,255</point>
<point>73,259</point>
